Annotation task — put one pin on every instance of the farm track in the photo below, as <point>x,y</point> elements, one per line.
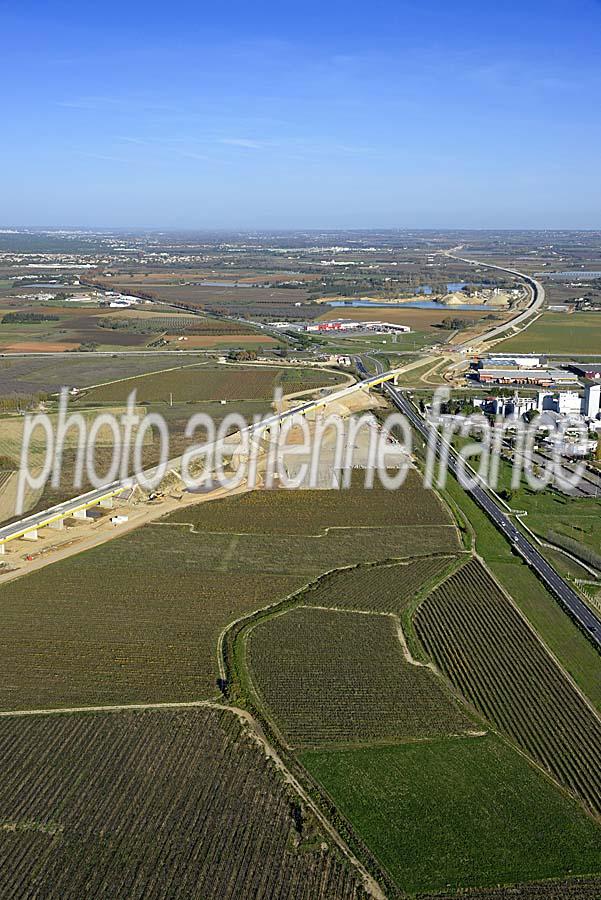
<point>478,638</point>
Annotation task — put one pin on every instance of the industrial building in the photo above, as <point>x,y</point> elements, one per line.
<point>509,407</point>
<point>590,371</point>
<point>538,377</point>
<point>529,361</point>
<point>567,404</point>
<point>339,326</point>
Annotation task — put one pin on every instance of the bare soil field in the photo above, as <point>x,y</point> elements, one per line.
<point>235,340</point>
<point>417,319</point>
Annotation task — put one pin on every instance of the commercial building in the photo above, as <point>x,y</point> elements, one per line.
<point>538,377</point>
<point>340,326</point>
<point>530,361</point>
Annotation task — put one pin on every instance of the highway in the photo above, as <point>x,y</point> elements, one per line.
<point>569,599</point>
<point>538,298</point>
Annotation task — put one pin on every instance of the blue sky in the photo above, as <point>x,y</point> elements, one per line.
<point>381,114</point>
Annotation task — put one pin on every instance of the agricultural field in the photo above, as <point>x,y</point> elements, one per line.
<point>155,804</point>
<point>62,328</point>
<point>27,326</point>
<point>334,678</point>
<point>426,321</point>
<point>148,631</point>
<point>133,621</point>
<point>205,383</point>
<point>312,511</point>
<point>476,636</point>
<point>573,649</point>
<point>458,812</point>
<point>312,555</point>
<point>552,889</point>
<point>35,375</point>
<point>378,588</point>
<point>223,297</point>
<point>577,333</point>
<point>12,428</point>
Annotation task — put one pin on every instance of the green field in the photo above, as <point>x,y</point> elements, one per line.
<point>458,812</point>
<point>549,510</point>
<point>577,333</point>
<point>476,636</point>
<point>330,677</point>
<point>213,383</point>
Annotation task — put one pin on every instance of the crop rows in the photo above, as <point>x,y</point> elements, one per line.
<point>154,804</point>
<point>340,677</point>
<point>574,889</point>
<point>134,621</point>
<point>379,588</point>
<point>73,635</point>
<point>476,636</point>
<point>204,383</point>
<point>311,511</point>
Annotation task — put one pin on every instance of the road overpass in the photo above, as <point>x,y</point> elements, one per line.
<point>27,528</point>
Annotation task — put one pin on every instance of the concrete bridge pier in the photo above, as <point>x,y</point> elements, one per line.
<point>31,535</point>
<point>80,514</point>
<point>58,525</point>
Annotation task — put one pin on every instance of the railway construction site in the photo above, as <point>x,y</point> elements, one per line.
<point>257,672</point>
<point>101,514</point>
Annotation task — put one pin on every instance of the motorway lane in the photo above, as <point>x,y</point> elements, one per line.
<point>562,590</point>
